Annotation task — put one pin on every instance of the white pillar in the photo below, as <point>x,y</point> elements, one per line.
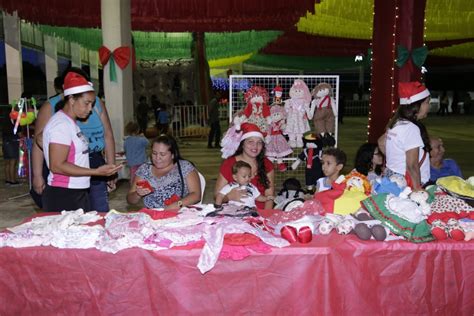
<point>116,32</point>
<point>76,55</point>
<point>94,68</point>
<point>51,62</point>
<point>13,59</point>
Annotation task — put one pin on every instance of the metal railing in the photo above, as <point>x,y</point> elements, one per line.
<point>191,120</point>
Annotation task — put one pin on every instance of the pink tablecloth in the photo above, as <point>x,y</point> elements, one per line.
<point>332,275</point>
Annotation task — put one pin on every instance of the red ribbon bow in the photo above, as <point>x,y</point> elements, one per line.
<point>171,200</point>
<point>121,56</point>
<point>304,235</point>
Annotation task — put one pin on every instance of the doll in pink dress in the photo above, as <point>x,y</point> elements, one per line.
<point>277,146</point>
<point>297,113</point>
<point>257,110</point>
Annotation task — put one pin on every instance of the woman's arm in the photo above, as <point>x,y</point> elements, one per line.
<point>44,115</point>
<point>136,193</point>
<point>381,142</point>
<point>194,188</point>
<point>413,167</point>
<point>270,191</point>
<point>108,135</point>
<point>58,164</point>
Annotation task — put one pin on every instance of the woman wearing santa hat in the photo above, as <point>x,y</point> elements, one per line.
<point>251,149</point>
<point>66,150</point>
<point>407,144</point>
<point>98,131</point>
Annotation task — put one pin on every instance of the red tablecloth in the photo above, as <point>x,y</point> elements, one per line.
<point>332,275</point>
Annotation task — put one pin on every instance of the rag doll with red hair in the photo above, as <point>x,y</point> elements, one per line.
<point>257,110</point>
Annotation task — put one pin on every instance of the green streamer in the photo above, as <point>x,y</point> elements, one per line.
<point>112,71</point>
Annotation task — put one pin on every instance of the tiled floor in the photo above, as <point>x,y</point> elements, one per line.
<point>16,205</point>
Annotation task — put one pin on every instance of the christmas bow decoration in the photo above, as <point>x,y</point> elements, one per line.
<point>418,55</point>
<point>120,55</point>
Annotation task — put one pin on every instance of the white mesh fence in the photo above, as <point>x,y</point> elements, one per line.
<point>239,84</point>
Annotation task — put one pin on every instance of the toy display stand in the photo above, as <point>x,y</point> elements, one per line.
<point>22,105</point>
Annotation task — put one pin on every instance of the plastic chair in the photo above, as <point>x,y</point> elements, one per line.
<point>202,180</point>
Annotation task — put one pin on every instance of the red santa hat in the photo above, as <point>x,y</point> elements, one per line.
<point>411,92</point>
<point>278,91</point>
<point>250,130</point>
<point>74,83</point>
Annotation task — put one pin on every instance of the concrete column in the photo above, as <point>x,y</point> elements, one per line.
<point>116,32</point>
<point>13,59</point>
<point>51,62</point>
<point>94,69</point>
<point>76,55</point>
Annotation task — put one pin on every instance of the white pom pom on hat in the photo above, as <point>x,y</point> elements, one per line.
<point>410,92</point>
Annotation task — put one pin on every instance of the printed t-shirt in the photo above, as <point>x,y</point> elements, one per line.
<point>247,201</point>
<point>63,130</point>
<point>402,137</point>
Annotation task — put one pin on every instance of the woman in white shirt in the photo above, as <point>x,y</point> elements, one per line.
<point>66,150</point>
<point>407,143</point>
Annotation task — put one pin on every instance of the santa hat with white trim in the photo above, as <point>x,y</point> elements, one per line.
<point>250,130</point>
<point>74,83</point>
<point>410,92</point>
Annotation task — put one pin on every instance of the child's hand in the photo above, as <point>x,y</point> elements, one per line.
<point>237,194</point>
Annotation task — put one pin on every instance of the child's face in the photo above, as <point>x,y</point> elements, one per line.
<point>242,176</point>
<point>330,166</point>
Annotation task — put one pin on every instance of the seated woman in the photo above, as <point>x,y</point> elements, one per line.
<point>66,150</point>
<point>440,167</point>
<point>369,161</point>
<point>170,182</point>
<point>251,149</point>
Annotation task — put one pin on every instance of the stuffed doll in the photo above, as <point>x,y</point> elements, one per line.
<point>277,146</point>
<point>447,214</point>
<point>346,194</point>
<point>278,93</point>
<point>297,113</point>
<point>291,190</point>
<point>367,227</point>
<point>403,216</point>
<point>325,108</point>
<point>231,140</point>
<point>257,110</point>
<point>311,154</point>
<point>342,224</point>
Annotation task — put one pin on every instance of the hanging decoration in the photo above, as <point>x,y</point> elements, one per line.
<point>302,62</point>
<point>335,18</point>
<point>120,56</point>
<point>418,56</point>
<point>225,62</point>
<point>226,45</point>
<point>465,50</point>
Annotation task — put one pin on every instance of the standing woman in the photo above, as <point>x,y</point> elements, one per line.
<point>407,143</point>
<point>97,129</point>
<point>251,149</point>
<point>66,150</point>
